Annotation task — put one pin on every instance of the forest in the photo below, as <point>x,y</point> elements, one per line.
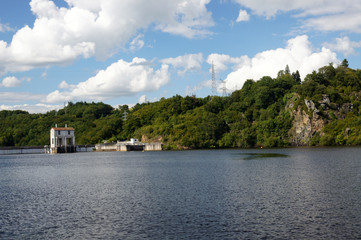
<point>261,114</point>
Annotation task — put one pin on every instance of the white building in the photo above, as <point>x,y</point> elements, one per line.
<point>134,141</point>
<point>62,140</point>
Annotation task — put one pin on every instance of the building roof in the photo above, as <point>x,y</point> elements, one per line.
<point>63,129</point>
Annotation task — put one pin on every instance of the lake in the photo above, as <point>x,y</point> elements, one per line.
<point>297,193</point>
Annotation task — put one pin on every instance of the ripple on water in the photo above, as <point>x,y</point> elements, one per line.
<point>297,194</point>
<point>253,156</point>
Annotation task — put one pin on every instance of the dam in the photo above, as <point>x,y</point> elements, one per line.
<point>132,145</point>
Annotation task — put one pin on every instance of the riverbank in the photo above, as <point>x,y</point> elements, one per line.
<point>39,149</point>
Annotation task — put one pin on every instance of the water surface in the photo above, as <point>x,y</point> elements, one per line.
<point>215,194</point>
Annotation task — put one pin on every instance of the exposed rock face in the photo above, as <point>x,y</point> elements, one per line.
<point>346,108</point>
<point>310,105</point>
<point>325,102</point>
<point>305,124</point>
<point>301,130</point>
<point>308,119</point>
<point>145,138</point>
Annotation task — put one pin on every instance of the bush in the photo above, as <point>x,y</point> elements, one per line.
<point>327,140</point>
<point>273,142</point>
<point>314,140</point>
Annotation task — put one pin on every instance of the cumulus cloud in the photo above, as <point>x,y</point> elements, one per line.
<point>243,16</point>
<point>143,99</point>
<point>221,61</point>
<point>344,45</point>
<point>65,85</point>
<point>96,28</point>
<point>10,82</point>
<point>324,15</point>
<point>298,55</point>
<point>186,63</point>
<point>119,79</point>
<point>190,18</point>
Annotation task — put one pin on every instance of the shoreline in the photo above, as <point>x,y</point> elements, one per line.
<point>15,150</point>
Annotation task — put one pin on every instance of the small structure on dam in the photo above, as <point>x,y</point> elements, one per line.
<point>132,145</point>
<point>62,140</point>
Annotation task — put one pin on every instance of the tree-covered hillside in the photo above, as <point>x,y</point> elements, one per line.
<point>324,109</point>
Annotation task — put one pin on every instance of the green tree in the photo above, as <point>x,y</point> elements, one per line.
<point>297,77</point>
<point>344,63</point>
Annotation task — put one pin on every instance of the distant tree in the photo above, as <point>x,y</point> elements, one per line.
<point>215,105</point>
<point>328,72</point>
<point>280,73</point>
<point>284,72</point>
<point>296,76</point>
<point>344,63</point>
<point>287,70</point>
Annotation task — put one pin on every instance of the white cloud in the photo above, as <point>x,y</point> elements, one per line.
<point>190,19</point>
<point>324,15</point>
<point>57,97</point>
<point>243,16</point>
<point>119,79</point>
<point>298,55</point>
<point>10,82</point>
<point>37,108</point>
<point>137,43</point>
<point>221,61</point>
<point>188,62</point>
<point>5,28</point>
<point>192,90</point>
<point>350,22</point>
<point>305,7</point>
<point>99,28</point>
<point>143,99</point>
<point>65,85</point>
<point>344,45</point>
<point>12,97</point>
<point>45,73</point>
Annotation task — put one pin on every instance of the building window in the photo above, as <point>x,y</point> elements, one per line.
<point>58,132</point>
<point>68,132</point>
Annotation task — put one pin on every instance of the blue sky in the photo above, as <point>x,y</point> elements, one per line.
<point>123,52</point>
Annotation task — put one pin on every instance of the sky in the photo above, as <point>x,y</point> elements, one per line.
<point>131,51</point>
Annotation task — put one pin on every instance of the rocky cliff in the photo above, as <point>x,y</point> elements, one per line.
<point>309,118</point>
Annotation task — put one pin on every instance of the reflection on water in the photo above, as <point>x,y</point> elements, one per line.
<point>298,194</point>
<point>252,156</point>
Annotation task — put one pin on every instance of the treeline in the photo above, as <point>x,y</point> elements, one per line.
<point>92,122</point>
<point>254,116</point>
